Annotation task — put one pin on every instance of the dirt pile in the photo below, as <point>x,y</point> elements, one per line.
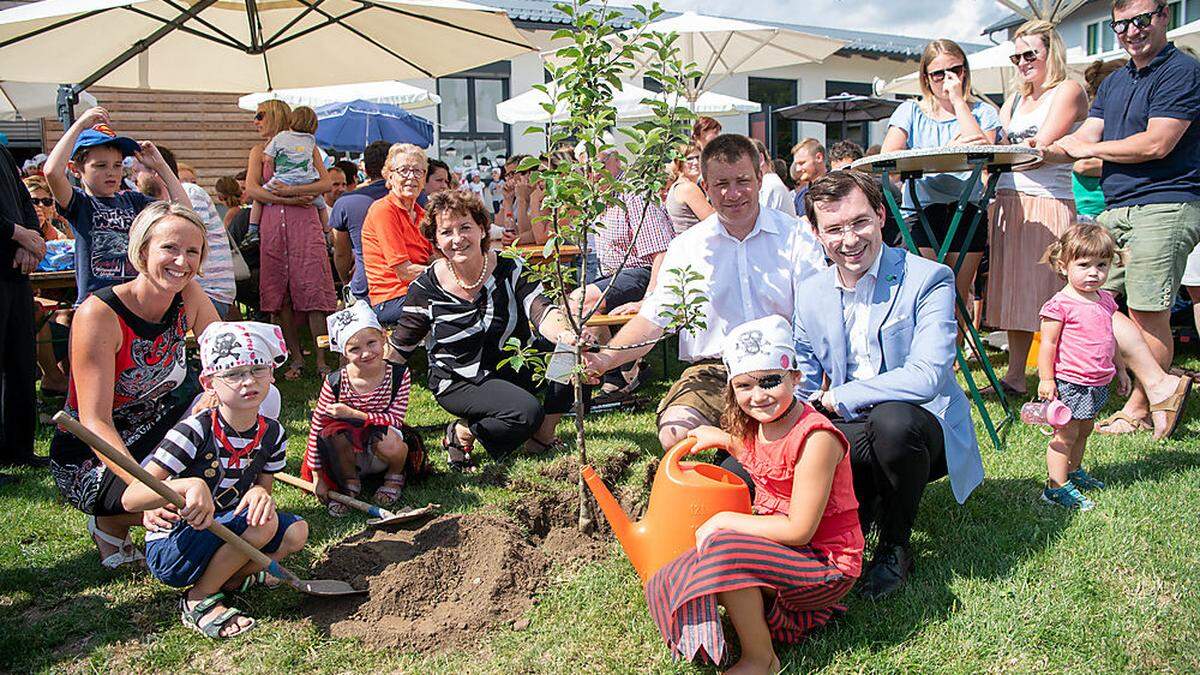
<point>435,588</point>
<point>438,587</point>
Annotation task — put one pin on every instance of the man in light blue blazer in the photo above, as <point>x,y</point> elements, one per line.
<point>879,326</point>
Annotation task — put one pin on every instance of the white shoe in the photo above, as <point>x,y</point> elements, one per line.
<point>126,552</point>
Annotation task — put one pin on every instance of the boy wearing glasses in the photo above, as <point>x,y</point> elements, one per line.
<point>222,461</point>
<point>1142,126</point>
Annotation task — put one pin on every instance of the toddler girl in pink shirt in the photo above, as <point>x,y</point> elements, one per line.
<point>1077,357</point>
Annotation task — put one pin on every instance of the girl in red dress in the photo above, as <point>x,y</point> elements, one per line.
<point>780,572</point>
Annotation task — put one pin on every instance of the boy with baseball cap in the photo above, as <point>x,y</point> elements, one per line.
<point>100,213</point>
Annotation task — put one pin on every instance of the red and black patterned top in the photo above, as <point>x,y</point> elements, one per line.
<point>150,366</point>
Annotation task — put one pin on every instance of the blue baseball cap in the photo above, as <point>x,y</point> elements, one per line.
<point>102,134</point>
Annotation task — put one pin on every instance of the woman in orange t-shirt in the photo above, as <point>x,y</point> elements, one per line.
<point>394,252</point>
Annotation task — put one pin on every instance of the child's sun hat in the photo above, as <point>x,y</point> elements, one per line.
<point>761,344</point>
<point>102,134</point>
<point>230,344</point>
<point>347,323</point>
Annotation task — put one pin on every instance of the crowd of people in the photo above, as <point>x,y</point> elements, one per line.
<point>824,374</point>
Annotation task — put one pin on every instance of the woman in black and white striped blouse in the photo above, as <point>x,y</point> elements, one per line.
<point>464,308</point>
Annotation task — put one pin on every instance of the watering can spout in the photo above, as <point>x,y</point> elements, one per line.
<point>621,525</point>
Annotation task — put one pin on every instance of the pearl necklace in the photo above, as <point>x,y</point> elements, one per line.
<point>462,284</point>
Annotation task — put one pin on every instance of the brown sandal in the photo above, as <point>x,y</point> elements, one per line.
<point>1121,416</point>
<point>1173,405</point>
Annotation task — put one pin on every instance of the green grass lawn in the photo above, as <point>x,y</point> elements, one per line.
<point>1003,583</point>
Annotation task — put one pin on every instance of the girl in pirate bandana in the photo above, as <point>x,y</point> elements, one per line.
<point>780,572</point>
<point>222,461</point>
<point>358,428</point>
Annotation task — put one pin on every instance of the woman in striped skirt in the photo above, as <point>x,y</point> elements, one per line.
<point>780,572</point>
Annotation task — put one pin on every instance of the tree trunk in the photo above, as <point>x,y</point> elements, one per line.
<point>587,519</point>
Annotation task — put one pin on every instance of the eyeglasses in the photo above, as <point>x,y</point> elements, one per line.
<point>1119,26</point>
<point>258,116</point>
<point>408,171</point>
<point>42,201</point>
<point>939,75</point>
<point>1028,57</point>
<point>860,228</point>
<point>243,373</point>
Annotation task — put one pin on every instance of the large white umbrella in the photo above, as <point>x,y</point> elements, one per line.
<point>722,47</point>
<point>991,70</point>
<point>1187,35</point>
<point>388,92</point>
<point>26,100</point>
<point>529,108</point>
<point>246,45</point>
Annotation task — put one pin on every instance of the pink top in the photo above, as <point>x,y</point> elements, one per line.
<point>772,466</point>
<point>1086,345</point>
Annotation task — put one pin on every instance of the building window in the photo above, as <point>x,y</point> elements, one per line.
<point>471,136</point>
<point>1100,37</point>
<point>859,132</point>
<point>779,135</point>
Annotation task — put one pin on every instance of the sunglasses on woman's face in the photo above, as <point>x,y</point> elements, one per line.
<point>939,75</point>
<point>258,116</point>
<point>1143,20</point>
<point>43,201</point>
<point>1028,57</point>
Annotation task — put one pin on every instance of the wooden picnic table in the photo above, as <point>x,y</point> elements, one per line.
<point>49,281</point>
<point>534,252</point>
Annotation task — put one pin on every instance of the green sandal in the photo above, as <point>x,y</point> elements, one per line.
<point>192,617</point>
<point>260,577</point>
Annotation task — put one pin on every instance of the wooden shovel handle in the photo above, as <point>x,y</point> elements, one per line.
<point>128,464</point>
<point>353,503</point>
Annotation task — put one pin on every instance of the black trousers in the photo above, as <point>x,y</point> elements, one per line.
<point>895,450</point>
<point>504,411</point>
<point>18,371</point>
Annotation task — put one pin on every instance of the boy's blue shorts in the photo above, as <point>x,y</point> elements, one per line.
<point>180,558</point>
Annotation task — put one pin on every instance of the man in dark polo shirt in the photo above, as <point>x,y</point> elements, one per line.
<point>347,216</point>
<point>1142,125</point>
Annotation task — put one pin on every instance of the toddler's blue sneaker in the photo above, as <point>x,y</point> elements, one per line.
<point>1068,495</point>
<point>1084,481</point>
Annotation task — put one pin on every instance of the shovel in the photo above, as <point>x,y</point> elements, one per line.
<point>322,587</point>
<point>380,517</point>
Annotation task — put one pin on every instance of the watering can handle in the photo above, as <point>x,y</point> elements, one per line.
<point>677,453</point>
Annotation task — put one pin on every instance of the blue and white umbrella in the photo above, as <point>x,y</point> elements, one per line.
<point>351,127</point>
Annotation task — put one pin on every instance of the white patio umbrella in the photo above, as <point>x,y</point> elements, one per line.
<point>528,108</point>
<point>245,45</point>
<point>991,70</point>
<point>722,47</point>
<point>1187,35</point>
<point>388,92</point>
<point>30,101</point>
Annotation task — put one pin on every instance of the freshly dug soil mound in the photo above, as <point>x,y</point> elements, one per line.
<point>435,588</point>
<point>440,586</point>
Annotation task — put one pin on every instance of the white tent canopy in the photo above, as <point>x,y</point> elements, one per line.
<point>528,108</point>
<point>991,70</point>
<point>25,100</point>
<point>241,46</point>
<point>388,92</point>
<point>1187,35</point>
<point>722,47</point>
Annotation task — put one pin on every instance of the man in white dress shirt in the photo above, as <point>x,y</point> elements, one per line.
<point>750,260</point>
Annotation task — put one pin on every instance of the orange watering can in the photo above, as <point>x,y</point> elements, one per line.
<point>684,495</point>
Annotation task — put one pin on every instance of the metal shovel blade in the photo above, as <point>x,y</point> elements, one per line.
<point>389,518</point>
<point>326,587</point>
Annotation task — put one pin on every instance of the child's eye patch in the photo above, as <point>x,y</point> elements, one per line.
<point>770,381</point>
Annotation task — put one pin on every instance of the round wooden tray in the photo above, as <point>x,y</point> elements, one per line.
<point>952,158</point>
